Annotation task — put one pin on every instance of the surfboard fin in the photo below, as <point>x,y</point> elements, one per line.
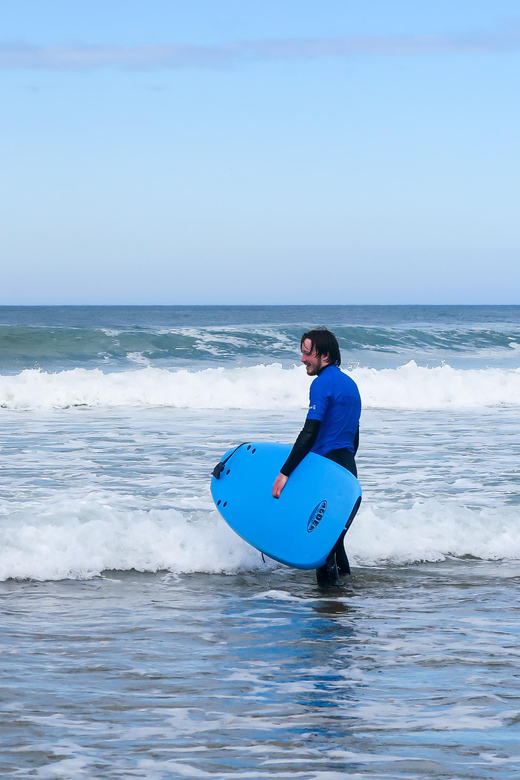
<point>342,560</point>
<point>352,514</point>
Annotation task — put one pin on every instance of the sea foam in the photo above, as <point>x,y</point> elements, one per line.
<point>260,387</point>
<point>81,538</point>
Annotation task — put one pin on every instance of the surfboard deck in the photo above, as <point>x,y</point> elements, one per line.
<point>301,527</point>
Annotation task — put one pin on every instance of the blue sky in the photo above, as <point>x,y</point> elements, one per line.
<point>266,151</point>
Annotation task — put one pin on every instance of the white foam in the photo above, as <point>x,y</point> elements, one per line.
<point>261,387</point>
<point>434,531</point>
<point>139,358</point>
<point>257,387</point>
<point>81,538</point>
<point>421,387</point>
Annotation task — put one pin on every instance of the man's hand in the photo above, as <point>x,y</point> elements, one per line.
<point>279,485</point>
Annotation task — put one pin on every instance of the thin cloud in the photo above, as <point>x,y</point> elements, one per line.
<point>23,56</point>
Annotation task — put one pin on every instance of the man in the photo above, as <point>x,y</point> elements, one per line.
<point>331,428</point>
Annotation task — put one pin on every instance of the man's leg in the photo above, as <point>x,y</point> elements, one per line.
<point>341,555</point>
<point>330,571</point>
<point>327,574</point>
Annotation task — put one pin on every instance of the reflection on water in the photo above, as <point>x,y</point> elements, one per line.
<point>403,672</point>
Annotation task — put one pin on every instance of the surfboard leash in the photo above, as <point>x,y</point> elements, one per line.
<point>219,468</point>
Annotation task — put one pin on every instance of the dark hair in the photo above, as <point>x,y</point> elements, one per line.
<point>323,342</point>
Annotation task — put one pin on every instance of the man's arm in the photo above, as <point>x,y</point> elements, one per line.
<point>302,446</point>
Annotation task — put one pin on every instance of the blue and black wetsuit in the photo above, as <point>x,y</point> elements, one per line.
<point>331,429</point>
<point>332,424</point>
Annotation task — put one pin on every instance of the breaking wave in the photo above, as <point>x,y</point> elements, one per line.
<point>260,387</point>
<point>81,538</point>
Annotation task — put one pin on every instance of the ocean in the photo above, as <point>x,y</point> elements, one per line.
<point>141,638</point>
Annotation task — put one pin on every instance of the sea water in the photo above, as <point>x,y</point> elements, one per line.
<point>142,639</point>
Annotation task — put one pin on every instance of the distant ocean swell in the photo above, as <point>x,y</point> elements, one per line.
<point>30,346</point>
<point>260,387</point>
<point>81,538</point>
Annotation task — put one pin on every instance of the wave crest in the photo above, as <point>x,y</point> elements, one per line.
<point>261,387</point>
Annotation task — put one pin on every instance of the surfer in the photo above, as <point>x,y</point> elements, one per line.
<point>331,428</point>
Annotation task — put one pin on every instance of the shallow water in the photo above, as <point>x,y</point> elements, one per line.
<point>403,672</point>
<point>142,638</point>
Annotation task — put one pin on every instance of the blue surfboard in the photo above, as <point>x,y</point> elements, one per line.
<point>301,527</point>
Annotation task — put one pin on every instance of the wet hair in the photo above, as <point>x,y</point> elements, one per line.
<point>323,342</point>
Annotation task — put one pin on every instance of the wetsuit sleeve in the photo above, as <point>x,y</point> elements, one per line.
<point>302,446</point>
<point>356,441</point>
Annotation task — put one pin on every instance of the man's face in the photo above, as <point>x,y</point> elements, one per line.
<point>313,362</point>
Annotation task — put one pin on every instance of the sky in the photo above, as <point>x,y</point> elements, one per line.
<point>260,152</point>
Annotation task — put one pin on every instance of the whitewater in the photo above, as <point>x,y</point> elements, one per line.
<point>260,387</point>
<point>142,638</point>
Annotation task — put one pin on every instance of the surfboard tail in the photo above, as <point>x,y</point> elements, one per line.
<point>219,468</point>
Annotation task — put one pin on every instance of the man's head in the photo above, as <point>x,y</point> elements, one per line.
<point>319,349</point>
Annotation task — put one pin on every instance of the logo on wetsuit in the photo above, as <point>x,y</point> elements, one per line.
<point>316,516</point>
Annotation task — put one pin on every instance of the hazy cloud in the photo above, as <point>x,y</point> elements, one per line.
<point>18,56</point>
